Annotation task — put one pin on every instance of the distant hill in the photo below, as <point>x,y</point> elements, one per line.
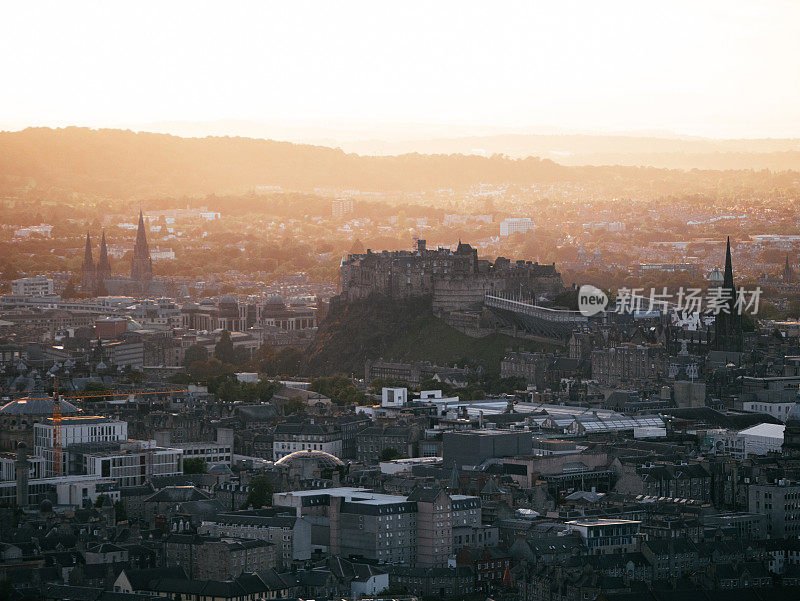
<point>594,149</point>
<point>125,164</point>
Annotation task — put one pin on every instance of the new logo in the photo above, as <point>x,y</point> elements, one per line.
<point>591,300</point>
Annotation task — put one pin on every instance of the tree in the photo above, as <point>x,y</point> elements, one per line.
<point>340,389</point>
<point>8,270</point>
<point>378,384</point>
<point>134,376</point>
<point>260,493</point>
<point>119,512</point>
<point>202,371</point>
<point>288,360</point>
<point>357,248</point>
<point>195,353</point>
<point>195,465</point>
<point>224,348</point>
<point>390,454</point>
<point>95,387</point>
<point>294,405</point>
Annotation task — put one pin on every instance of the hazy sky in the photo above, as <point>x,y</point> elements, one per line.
<point>717,68</point>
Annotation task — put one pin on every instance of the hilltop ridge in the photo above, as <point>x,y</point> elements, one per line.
<point>126,164</point>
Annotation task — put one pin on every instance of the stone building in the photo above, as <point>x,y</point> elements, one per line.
<point>214,558</point>
<point>456,280</point>
<point>629,363</point>
<point>373,441</point>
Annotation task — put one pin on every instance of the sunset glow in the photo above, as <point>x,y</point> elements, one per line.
<point>720,69</point>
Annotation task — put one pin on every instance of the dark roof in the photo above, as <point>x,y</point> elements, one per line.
<point>140,579</point>
<point>37,404</point>
<point>177,494</point>
<point>462,572</point>
<point>728,420</point>
<point>424,495</point>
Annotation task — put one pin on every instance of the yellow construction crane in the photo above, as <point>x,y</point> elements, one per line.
<point>94,395</point>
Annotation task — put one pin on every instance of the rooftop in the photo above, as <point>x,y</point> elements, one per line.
<point>602,522</point>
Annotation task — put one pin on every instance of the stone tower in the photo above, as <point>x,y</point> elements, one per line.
<point>141,264</point>
<point>88,271</point>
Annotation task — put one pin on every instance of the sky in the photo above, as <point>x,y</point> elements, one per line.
<point>708,68</point>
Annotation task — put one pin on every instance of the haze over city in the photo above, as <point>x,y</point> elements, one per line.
<point>398,300</point>
<point>716,69</point>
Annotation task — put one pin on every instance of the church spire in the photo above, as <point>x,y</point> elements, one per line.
<point>727,281</point>
<point>141,264</point>
<point>103,264</point>
<point>728,321</point>
<point>88,261</point>
<point>87,269</point>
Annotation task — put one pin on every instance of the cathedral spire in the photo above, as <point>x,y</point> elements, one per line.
<point>87,269</point>
<point>141,264</point>
<point>103,264</point>
<point>727,281</point>
<point>728,321</point>
<point>141,235</point>
<point>88,261</point>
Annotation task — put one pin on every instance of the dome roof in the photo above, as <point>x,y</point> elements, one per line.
<point>36,404</point>
<point>324,459</point>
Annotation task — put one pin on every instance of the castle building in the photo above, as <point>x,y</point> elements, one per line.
<point>728,334</point>
<point>456,280</point>
<point>141,263</point>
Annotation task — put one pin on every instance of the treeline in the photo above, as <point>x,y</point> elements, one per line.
<point>125,164</point>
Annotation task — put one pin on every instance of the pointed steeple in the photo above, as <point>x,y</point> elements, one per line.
<point>727,281</point>
<point>87,268</point>
<point>141,264</point>
<point>88,261</point>
<point>728,322</point>
<point>103,264</point>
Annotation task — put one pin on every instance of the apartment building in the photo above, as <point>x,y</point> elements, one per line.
<point>290,534</point>
<point>417,529</point>
<point>75,430</point>
<point>215,558</point>
<point>39,285</point>
<point>605,536</point>
<point>373,441</point>
<point>307,436</point>
<point>130,463</point>
<point>516,225</point>
<point>216,451</point>
<point>781,503</point>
